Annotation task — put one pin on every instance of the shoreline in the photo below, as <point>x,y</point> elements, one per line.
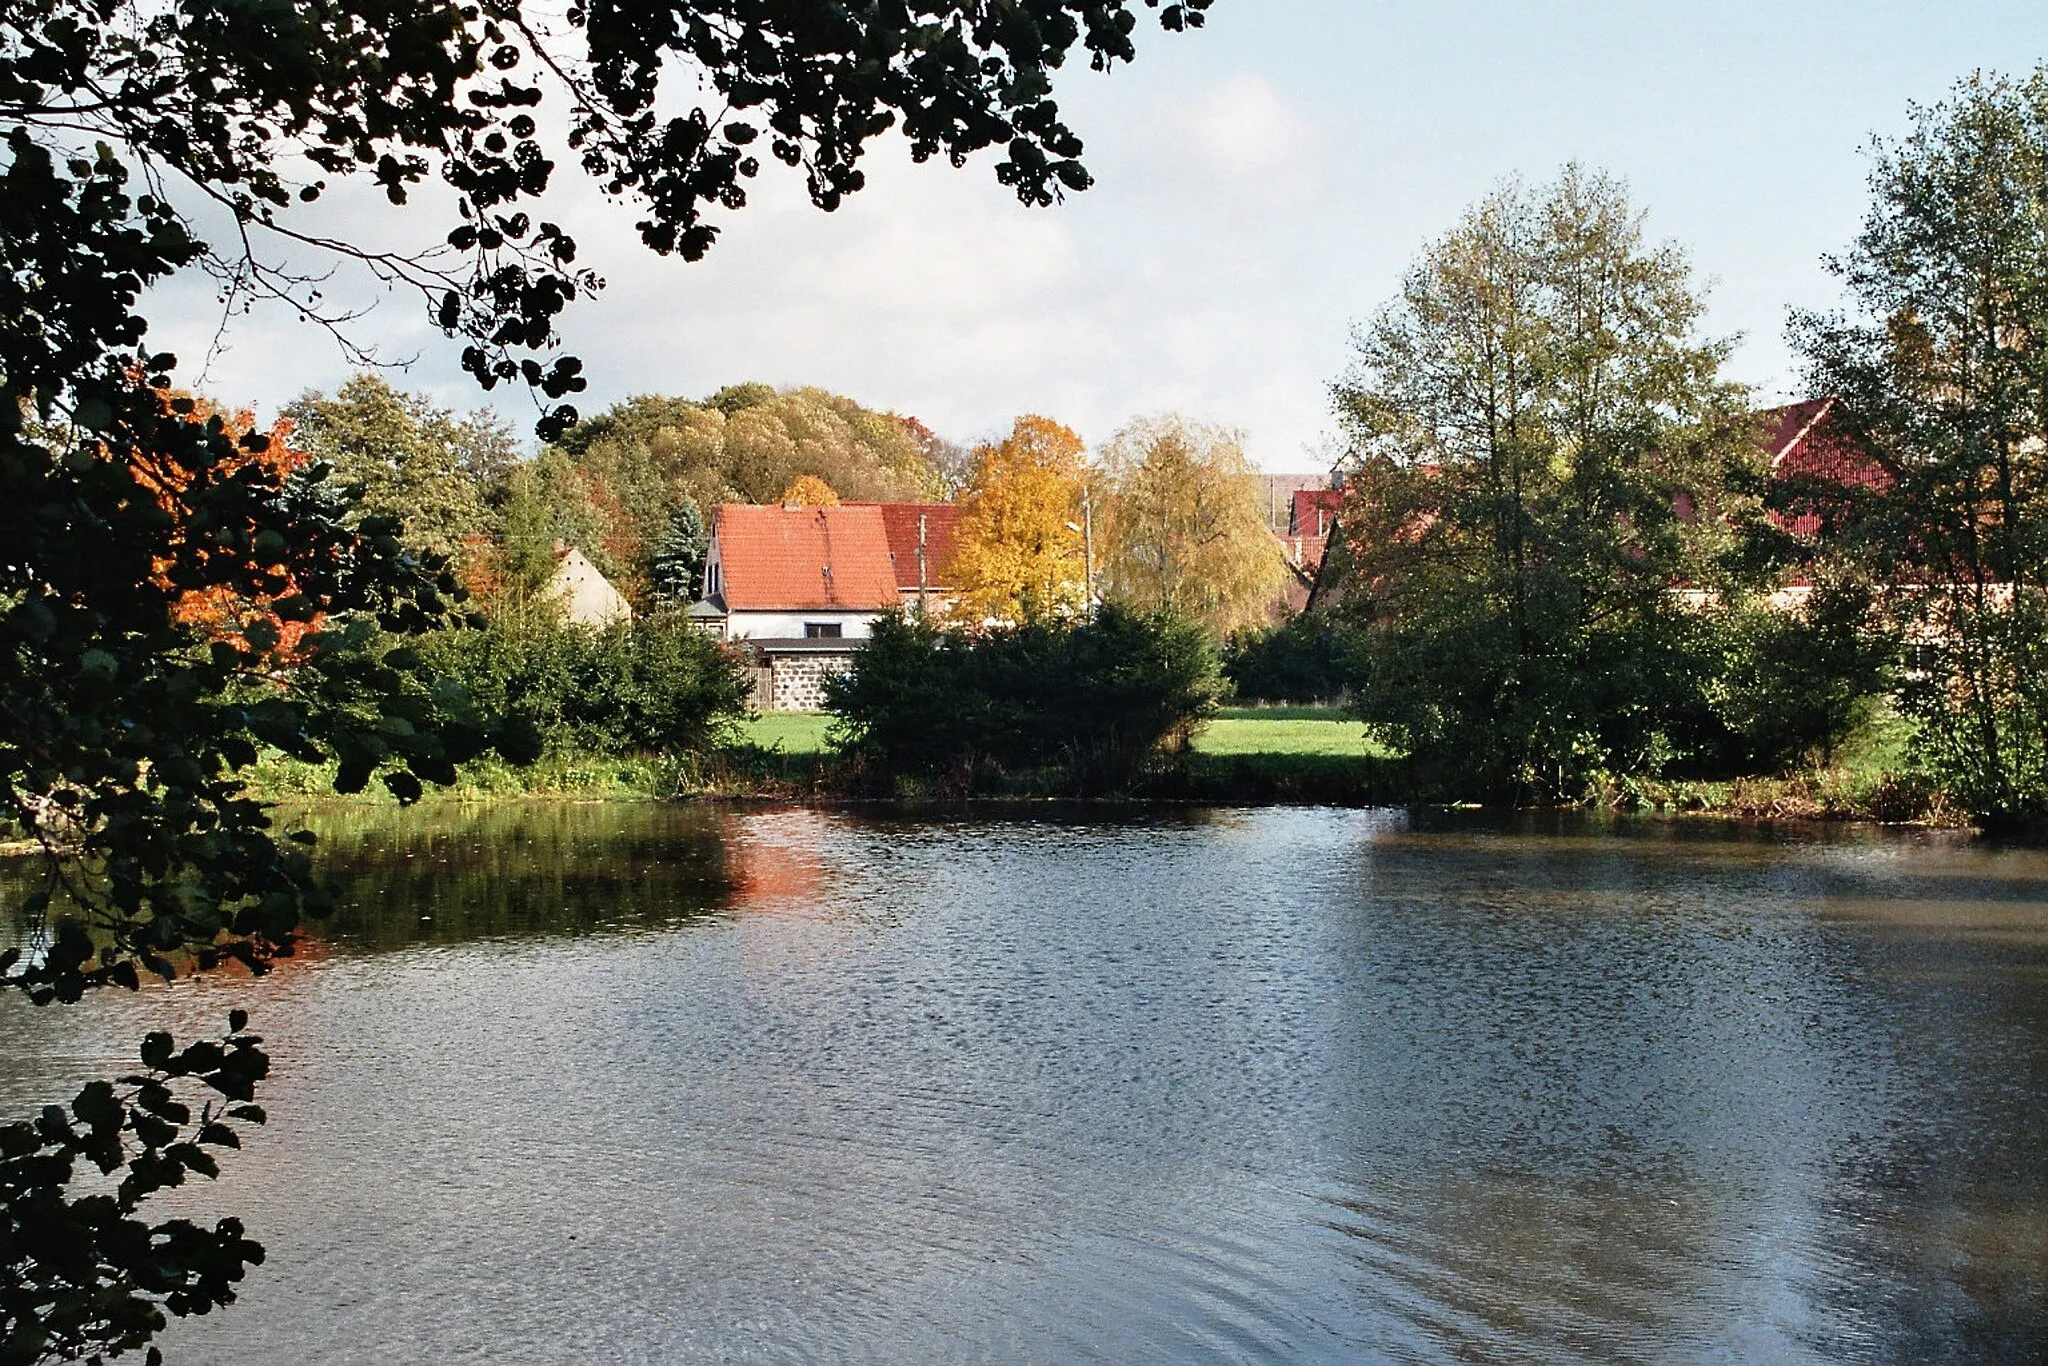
<point>1799,799</point>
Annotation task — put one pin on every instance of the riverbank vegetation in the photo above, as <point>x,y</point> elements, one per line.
<point>1566,570</point>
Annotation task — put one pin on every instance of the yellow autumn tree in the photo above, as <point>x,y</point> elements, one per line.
<point>1181,526</point>
<point>1018,553</point>
<point>809,491</point>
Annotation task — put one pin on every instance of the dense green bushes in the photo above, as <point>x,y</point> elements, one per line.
<point>1091,703</point>
<point>1979,698</point>
<point>657,685</point>
<point>1677,690</point>
<point>1794,686</point>
<point>1307,658</point>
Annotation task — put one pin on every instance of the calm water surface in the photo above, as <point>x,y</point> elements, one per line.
<point>631,1083</point>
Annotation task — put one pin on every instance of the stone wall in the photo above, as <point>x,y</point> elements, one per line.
<point>799,680</point>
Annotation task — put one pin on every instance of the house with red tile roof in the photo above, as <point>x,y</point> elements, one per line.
<point>801,587</point>
<point>1314,511</point>
<point>1817,466</point>
<point>921,537</point>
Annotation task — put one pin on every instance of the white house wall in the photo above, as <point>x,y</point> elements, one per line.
<point>743,625</point>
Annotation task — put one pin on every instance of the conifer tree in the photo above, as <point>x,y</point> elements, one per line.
<point>677,565</point>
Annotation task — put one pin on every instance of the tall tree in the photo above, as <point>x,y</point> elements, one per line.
<point>1018,554</point>
<point>1183,522</point>
<point>126,729</point>
<point>677,565</point>
<point>1541,443</point>
<point>417,463</point>
<point>1941,368</point>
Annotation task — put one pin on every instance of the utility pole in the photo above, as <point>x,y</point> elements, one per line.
<point>1087,530</point>
<point>920,565</point>
<point>1088,548</point>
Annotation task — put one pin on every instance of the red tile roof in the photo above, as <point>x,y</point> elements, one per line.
<point>1819,464</point>
<point>899,523</point>
<point>775,558</point>
<point>1315,511</point>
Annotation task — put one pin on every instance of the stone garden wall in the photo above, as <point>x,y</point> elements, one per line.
<point>799,680</point>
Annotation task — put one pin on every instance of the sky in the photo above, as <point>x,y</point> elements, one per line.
<point>1261,186</point>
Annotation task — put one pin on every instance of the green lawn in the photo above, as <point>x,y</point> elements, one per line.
<point>1282,711</point>
<point>793,732</point>
<point>1236,730</point>
<point>1243,731</point>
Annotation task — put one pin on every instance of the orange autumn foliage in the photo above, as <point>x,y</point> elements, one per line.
<point>480,568</point>
<point>220,611</point>
<point>809,491</point>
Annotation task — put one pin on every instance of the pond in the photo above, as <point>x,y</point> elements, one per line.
<point>643,1083</point>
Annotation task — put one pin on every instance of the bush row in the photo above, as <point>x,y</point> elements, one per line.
<point>655,686</point>
<point>1094,703</point>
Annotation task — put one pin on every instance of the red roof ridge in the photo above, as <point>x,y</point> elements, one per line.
<point>1796,422</point>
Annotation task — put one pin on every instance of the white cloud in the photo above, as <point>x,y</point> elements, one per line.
<point>1260,186</point>
<point>1243,127</point>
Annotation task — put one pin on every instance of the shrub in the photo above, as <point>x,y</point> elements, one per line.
<point>658,685</point>
<point>1308,658</point>
<point>1796,685</point>
<point>1980,696</point>
<point>1095,701</point>
<point>1489,710</point>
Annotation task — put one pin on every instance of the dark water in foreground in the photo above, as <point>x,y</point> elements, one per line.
<point>626,1083</point>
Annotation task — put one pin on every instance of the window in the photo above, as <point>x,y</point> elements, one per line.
<point>822,630</point>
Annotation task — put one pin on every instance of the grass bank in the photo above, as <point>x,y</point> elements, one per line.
<point>1245,755</point>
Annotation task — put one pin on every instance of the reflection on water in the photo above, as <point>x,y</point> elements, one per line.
<point>570,1083</point>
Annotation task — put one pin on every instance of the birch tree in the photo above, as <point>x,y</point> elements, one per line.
<point>1540,444</point>
<point>1940,363</point>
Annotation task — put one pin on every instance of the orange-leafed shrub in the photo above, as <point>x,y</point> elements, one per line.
<point>222,611</point>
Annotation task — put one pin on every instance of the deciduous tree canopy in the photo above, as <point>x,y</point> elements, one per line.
<point>1542,443</point>
<point>1018,554</point>
<point>1184,525</point>
<point>418,464</point>
<point>1942,374</point>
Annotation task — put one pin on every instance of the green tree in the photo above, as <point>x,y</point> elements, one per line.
<point>677,566</point>
<point>1089,703</point>
<point>1542,444</point>
<point>126,729</point>
<point>1310,657</point>
<point>1183,523</point>
<point>1941,368</point>
<point>417,463</point>
<point>1796,682</point>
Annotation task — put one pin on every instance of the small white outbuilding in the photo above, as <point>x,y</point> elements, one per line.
<point>585,596</point>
